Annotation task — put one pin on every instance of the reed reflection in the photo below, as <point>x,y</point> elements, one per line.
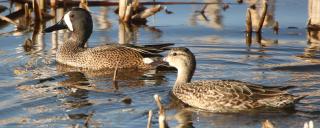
<point>263,42</point>
<point>77,97</point>
<point>102,19</point>
<point>313,13</point>
<point>311,52</point>
<point>129,33</point>
<point>256,12</point>
<point>209,15</point>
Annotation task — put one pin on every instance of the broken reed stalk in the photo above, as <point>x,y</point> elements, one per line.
<point>258,37</point>
<point>53,3</point>
<point>147,13</point>
<point>203,9</point>
<point>37,11</point>
<point>122,9</point>
<point>115,73</point>
<point>248,39</point>
<point>128,13</point>
<point>267,124</point>
<point>42,5</point>
<point>12,16</point>
<point>114,81</point>
<point>263,16</point>
<point>149,125</point>
<point>248,21</point>
<point>276,28</point>
<point>84,4</point>
<point>8,20</point>
<point>248,28</point>
<point>308,124</point>
<point>135,5</point>
<point>162,114</point>
<point>26,11</point>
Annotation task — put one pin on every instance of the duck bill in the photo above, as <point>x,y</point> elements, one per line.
<point>165,61</point>
<point>58,26</point>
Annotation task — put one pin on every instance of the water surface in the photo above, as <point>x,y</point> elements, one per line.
<point>34,93</point>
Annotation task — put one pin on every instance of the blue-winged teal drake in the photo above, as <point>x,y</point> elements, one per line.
<point>74,53</point>
<point>222,95</point>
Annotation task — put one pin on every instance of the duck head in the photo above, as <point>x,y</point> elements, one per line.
<point>78,21</point>
<point>184,61</point>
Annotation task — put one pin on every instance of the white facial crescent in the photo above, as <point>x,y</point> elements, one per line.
<point>67,20</point>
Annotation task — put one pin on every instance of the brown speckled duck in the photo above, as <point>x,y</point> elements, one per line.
<point>73,52</point>
<point>222,95</point>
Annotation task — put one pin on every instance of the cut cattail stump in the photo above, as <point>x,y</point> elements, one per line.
<point>8,20</point>
<point>267,124</point>
<point>248,21</point>
<point>258,37</point>
<point>162,115</point>
<point>53,3</point>
<point>42,5</point>
<point>263,16</point>
<point>27,12</point>
<point>84,4</point>
<point>122,33</point>
<point>313,22</point>
<point>248,39</point>
<point>130,11</point>
<point>308,124</point>
<point>248,28</point>
<point>135,5</point>
<point>147,13</point>
<point>276,28</point>
<point>122,9</point>
<point>114,81</point>
<point>149,125</point>
<point>37,11</point>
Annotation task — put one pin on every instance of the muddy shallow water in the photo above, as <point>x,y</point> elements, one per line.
<point>35,93</point>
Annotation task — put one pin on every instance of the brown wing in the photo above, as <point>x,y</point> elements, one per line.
<point>223,95</point>
<point>110,56</point>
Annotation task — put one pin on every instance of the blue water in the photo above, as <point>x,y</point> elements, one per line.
<point>35,94</point>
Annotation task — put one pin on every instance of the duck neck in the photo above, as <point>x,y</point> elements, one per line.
<point>185,74</point>
<point>75,43</point>
<point>80,38</point>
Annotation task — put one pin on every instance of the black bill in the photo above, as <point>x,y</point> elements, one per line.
<point>58,26</point>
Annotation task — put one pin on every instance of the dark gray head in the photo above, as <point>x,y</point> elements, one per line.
<point>78,21</point>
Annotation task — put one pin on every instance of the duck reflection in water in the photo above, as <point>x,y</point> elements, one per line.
<point>77,98</point>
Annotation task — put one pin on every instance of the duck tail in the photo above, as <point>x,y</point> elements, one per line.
<point>153,48</point>
<point>280,101</point>
<point>281,88</point>
<point>298,98</point>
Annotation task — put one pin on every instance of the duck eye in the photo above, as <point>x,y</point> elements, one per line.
<point>174,54</point>
<point>71,15</point>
